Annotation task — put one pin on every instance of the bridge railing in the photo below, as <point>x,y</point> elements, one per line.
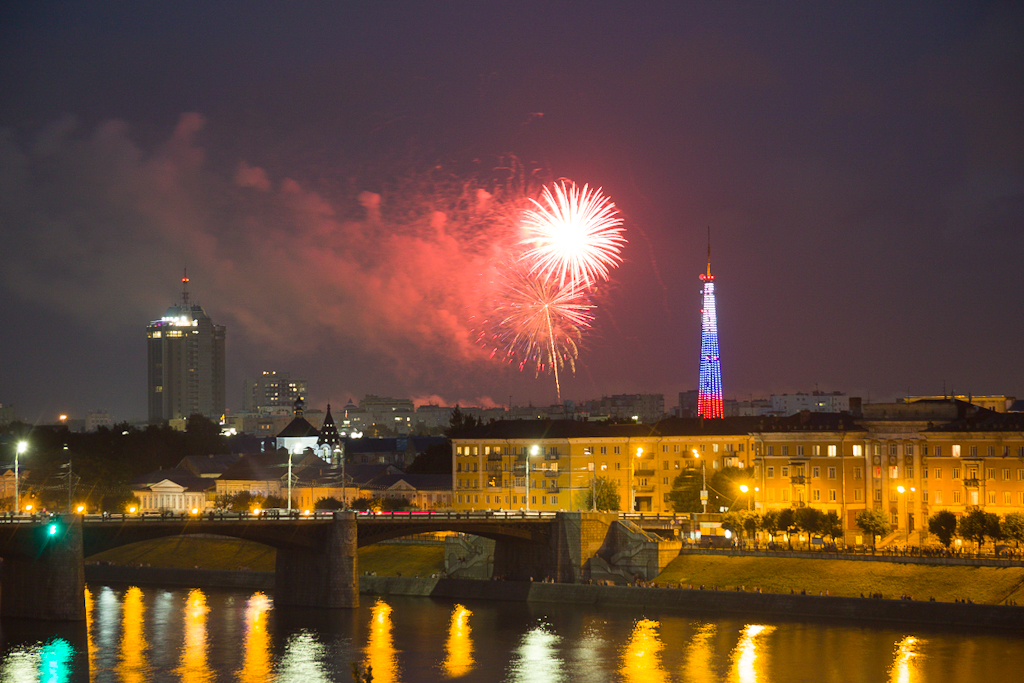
<point>296,515</point>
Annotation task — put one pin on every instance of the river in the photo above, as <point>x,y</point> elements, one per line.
<point>156,634</point>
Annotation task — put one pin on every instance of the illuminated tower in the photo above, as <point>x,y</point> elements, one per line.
<point>709,394</point>
<point>186,363</point>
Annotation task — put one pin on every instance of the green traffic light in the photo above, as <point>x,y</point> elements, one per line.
<point>53,529</point>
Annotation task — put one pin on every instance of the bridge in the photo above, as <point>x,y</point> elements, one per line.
<point>317,561</point>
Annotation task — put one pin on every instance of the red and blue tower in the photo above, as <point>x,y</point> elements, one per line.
<point>710,402</point>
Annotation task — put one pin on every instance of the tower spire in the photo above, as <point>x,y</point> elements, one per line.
<point>184,289</point>
<point>710,401</point>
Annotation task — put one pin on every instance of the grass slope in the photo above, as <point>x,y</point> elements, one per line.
<point>187,552</point>
<point>991,585</point>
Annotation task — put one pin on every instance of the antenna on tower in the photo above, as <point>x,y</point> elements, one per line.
<point>709,251</point>
<point>184,289</point>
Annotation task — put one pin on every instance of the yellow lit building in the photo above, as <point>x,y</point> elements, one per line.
<point>908,460</point>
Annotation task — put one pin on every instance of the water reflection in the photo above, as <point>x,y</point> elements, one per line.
<point>256,665</point>
<point>536,659</point>
<point>905,665</point>
<point>459,648</point>
<point>745,658</point>
<point>699,655</point>
<point>641,658</point>
<point>193,666</point>
<point>89,644</point>
<point>302,660</point>
<point>133,665</point>
<point>380,649</point>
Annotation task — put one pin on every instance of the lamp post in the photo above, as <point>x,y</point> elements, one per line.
<point>22,447</point>
<point>704,481</point>
<point>745,489</point>
<point>632,477</point>
<point>906,505</point>
<point>534,450</point>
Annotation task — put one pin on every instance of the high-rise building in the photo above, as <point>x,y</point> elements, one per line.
<point>186,363</point>
<point>272,390</point>
<point>709,400</point>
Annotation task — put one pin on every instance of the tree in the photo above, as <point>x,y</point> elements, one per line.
<point>202,436</point>
<point>685,493</point>
<point>275,502</point>
<point>874,523</point>
<point>328,503</point>
<point>607,496</point>
<point>460,423</point>
<point>943,525</point>
<point>724,488</point>
<point>223,501</point>
<point>977,525</point>
<point>1013,526</point>
<point>770,523</point>
<point>245,501</point>
<point>371,504</point>
<point>831,525</point>
<point>787,523</point>
<point>808,520</point>
<point>751,523</point>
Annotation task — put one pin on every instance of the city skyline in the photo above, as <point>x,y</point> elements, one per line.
<point>320,173</point>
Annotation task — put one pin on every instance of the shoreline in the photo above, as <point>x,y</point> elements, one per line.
<point>713,602</point>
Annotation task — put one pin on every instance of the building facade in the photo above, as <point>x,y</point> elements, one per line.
<point>909,463</point>
<point>272,390</point>
<point>186,369</point>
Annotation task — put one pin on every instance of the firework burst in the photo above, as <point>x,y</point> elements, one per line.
<point>538,322</point>
<point>573,235</point>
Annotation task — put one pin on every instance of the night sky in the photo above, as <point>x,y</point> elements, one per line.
<point>860,165</point>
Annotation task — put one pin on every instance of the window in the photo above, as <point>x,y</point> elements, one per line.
<point>831,495</point>
<point>991,497</point>
<point>799,450</point>
<point>714,448</point>
<point>990,473</point>
<point>876,471</point>
<point>618,466</point>
<point>1006,451</point>
<point>785,471</point>
<point>877,448</point>
<point>533,500</point>
<point>956,497</point>
<point>955,448</point>
<point>1006,498</point>
<point>604,450</point>
<point>816,495</point>
<point>937,473</point>
<point>616,450</point>
<point>664,448</point>
<point>894,472</point>
<point>924,496</point>
<point>1020,475</point>
<point>675,448</point>
<point>832,450</point>
<point>894,519</point>
<point>770,450</point>
<point>771,495</point>
<point>974,451</point>
<point>991,451</point>
<point>908,471</point>
<point>892,449</point>
<point>785,451</point>
<point>857,473</point>
<point>771,472</point>
<point>664,481</point>
<point>831,472</point>
<point>676,463</point>
<point>816,472</point>
<point>858,450</point>
<point>664,465</point>
<point>816,449</point>
<point>924,449</point>
<point>956,472</point>
<point>892,495</point>
<point>938,497</point>
<point>910,449</point>
<point>858,495</point>
<point>1020,497</point>
<point>554,500</point>
<point>878,495</point>
<point>785,495</point>
<point>938,451</point>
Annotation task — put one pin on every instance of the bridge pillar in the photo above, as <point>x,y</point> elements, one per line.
<point>327,576</point>
<point>43,573</point>
<point>573,538</point>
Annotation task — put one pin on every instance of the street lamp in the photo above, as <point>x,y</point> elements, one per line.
<point>901,489</point>
<point>22,447</point>
<point>744,489</point>
<point>534,450</point>
<point>704,481</point>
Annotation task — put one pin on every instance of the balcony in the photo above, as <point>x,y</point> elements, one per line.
<point>551,456</point>
<point>798,479</point>
<point>972,483</point>
<point>645,489</point>
<point>492,457</point>
<point>551,473</point>
<point>645,472</point>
